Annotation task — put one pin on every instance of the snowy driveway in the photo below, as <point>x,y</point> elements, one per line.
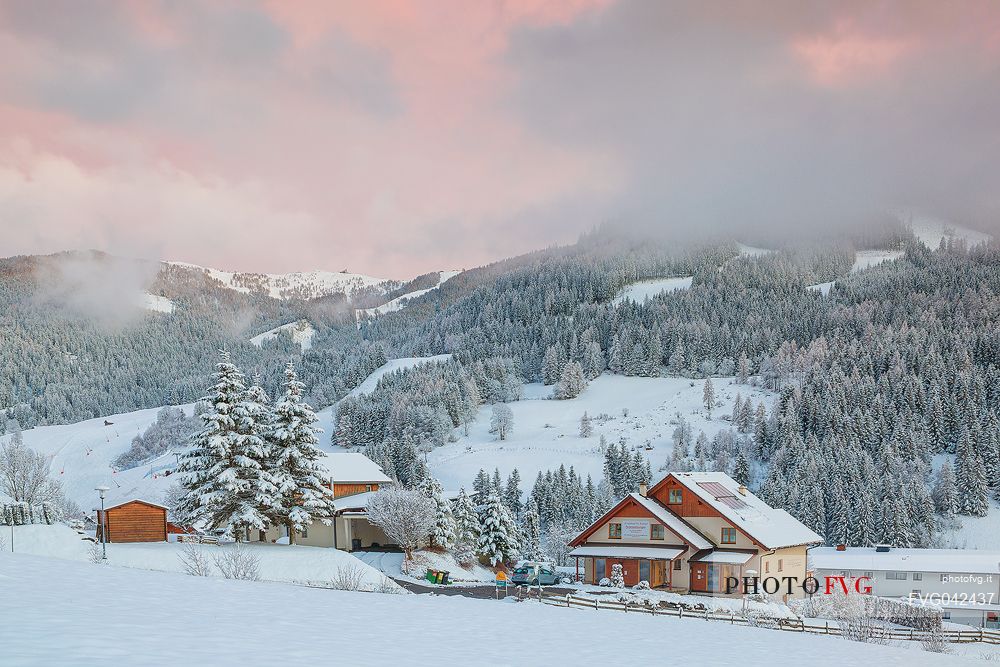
<point>388,562</point>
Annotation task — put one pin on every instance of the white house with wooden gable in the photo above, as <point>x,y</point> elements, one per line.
<point>352,479</point>
<point>692,531</point>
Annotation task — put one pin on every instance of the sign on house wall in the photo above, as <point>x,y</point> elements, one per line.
<point>635,529</point>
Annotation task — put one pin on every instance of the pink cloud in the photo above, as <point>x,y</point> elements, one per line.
<point>846,55</point>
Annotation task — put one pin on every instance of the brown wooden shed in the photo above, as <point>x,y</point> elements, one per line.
<point>134,521</point>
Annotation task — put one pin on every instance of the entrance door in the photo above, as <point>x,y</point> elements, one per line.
<point>699,577</point>
<point>644,574</point>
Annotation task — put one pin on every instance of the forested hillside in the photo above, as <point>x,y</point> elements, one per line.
<point>889,384</point>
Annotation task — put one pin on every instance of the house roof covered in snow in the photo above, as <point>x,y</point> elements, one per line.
<point>867,559</point>
<point>773,528</point>
<point>357,502</point>
<point>132,500</point>
<point>352,467</point>
<point>672,521</point>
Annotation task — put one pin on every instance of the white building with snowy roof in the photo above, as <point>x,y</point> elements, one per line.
<point>352,479</point>
<point>697,532</point>
<point>965,583</point>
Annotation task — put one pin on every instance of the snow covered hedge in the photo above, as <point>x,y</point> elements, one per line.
<point>21,514</point>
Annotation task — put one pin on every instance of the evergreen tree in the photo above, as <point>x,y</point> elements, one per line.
<point>443,534</point>
<point>498,538</point>
<point>466,520</point>
<point>741,470</point>
<point>571,382</point>
<point>708,397</point>
<point>973,496</point>
<point>512,493</point>
<point>945,491</point>
<point>531,532</point>
<point>225,479</point>
<point>294,460</point>
<point>586,429</point>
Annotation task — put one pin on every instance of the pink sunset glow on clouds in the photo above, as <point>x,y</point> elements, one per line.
<point>394,137</point>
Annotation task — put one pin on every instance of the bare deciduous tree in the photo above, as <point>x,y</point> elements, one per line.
<point>237,561</point>
<point>406,516</point>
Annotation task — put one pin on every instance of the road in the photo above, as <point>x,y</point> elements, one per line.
<point>390,564</point>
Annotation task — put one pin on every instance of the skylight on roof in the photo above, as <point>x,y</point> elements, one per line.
<point>723,495</point>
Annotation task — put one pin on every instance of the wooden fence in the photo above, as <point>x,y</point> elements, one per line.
<point>789,624</point>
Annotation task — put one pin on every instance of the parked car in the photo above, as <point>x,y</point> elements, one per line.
<point>535,574</point>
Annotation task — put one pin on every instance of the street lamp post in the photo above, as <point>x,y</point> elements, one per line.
<point>104,523</point>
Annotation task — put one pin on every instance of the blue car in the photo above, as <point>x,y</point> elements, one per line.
<point>532,575</point>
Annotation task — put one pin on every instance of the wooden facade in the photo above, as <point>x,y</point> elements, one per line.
<point>341,490</point>
<point>133,521</point>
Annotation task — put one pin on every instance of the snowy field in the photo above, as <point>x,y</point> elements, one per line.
<point>400,302</point>
<point>822,288</point>
<point>642,292</point>
<point>547,432</point>
<point>865,259</point>
<point>157,304</point>
<point>293,564</point>
<point>930,230</point>
<point>302,333</point>
<point>171,619</point>
<point>977,532</point>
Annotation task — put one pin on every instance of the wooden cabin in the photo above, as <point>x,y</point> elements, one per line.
<point>691,532</point>
<point>133,521</point>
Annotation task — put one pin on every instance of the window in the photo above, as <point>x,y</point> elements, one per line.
<point>767,566</point>
<point>304,532</point>
<point>676,497</point>
<point>945,578</point>
<point>615,531</point>
<point>729,536</point>
<point>368,488</point>
<point>918,576</point>
<point>781,565</point>
<point>897,576</point>
<point>867,574</point>
<point>599,569</point>
<point>656,532</point>
<point>677,564</point>
<point>915,593</point>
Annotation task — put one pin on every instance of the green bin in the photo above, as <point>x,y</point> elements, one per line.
<point>431,575</point>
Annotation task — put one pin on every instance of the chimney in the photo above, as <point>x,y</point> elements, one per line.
<point>643,489</point>
<point>841,547</point>
<point>743,490</point>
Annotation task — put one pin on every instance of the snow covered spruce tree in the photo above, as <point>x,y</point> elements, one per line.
<point>572,381</point>
<point>443,532</point>
<point>531,548</point>
<point>498,535</point>
<point>294,457</point>
<point>225,473</point>
<point>466,527</point>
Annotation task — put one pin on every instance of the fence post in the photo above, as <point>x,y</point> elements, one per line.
<point>680,612</point>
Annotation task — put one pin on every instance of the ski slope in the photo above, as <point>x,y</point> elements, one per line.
<point>643,291</point>
<point>65,610</point>
<point>822,288</point>
<point>80,457</point>
<point>400,302</point>
<point>546,432</point>
<point>370,382</point>
<point>930,230</point>
<point>302,333</point>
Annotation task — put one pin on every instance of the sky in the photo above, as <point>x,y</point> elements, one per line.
<point>394,138</point>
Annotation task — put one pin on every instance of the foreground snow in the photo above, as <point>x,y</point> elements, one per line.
<point>391,564</point>
<point>547,432</point>
<point>297,564</point>
<point>65,613</point>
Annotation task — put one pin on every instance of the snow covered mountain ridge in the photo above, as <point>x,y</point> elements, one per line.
<point>301,285</point>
